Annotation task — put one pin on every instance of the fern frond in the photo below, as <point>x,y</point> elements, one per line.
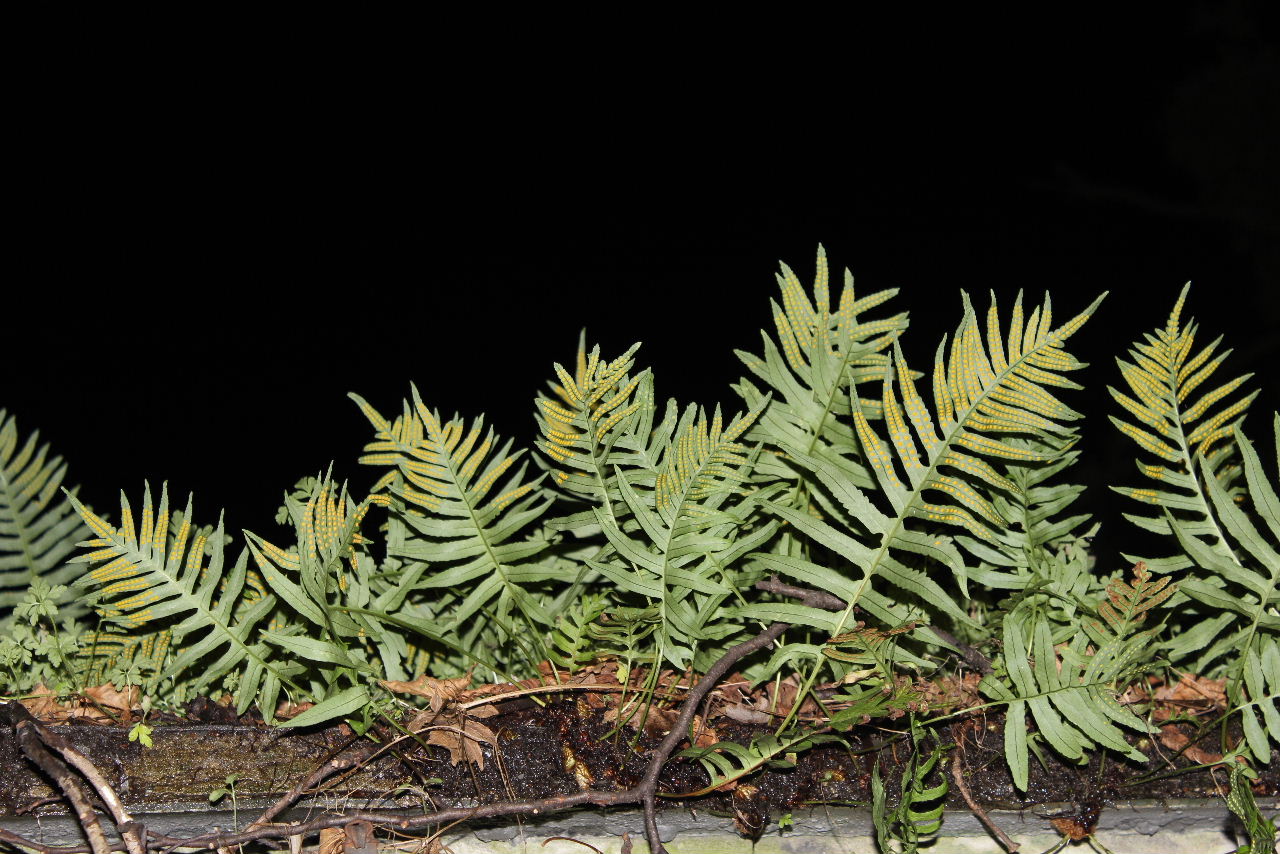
<point>104,655</point>
<point>1242,580</point>
<point>935,466</point>
<point>821,352</point>
<point>681,522</point>
<point>1127,605</point>
<point>141,574</point>
<point>1069,690</point>
<point>39,527</point>
<point>572,639</point>
<point>727,762</point>
<point>589,414</point>
<point>1172,419</point>
<point>918,813</point>
<point>459,507</point>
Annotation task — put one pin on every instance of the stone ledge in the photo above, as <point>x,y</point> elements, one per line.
<point>1178,827</point>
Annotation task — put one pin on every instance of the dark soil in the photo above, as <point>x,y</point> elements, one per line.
<point>565,747</point>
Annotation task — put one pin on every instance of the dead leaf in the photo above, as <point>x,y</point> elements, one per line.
<point>1195,692</point>
<point>458,732</point>
<point>437,691</point>
<point>1175,739</point>
<point>332,840</point>
<point>109,696</point>
<point>744,714</point>
<point>287,709</point>
<point>43,704</point>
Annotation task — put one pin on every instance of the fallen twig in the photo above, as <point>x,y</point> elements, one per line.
<point>957,774</point>
<point>27,732</point>
<point>326,769</point>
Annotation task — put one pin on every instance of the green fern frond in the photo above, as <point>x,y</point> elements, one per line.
<point>39,527</point>
<point>820,349</point>
<point>141,574</point>
<point>1035,507</point>
<point>1242,581</point>
<point>678,540</point>
<point>459,509</point>
<point>728,762</point>
<point>1173,420</point>
<point>1069,691</point>
<point>918,813</point>
<point>572,640</point>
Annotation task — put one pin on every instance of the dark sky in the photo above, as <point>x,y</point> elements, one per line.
<point>203,278</point>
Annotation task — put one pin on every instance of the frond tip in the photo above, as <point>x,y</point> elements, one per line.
<point>1173,421</point>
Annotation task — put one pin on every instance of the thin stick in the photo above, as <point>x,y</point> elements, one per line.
<point>326,770</point>
<point>957,774</point>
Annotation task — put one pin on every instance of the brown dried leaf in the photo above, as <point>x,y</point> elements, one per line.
<point>43,704</point>
<point>437,691</point>
<point>287,709</point>
<point>332,840</point>
<point>1192,694</point>
<point>1175,739</point>
<point>109,696</point>
<point>744,714</point>
<point>461,735</point>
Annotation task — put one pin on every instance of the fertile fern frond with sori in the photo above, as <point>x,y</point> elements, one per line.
<point>39,527</point>
<point>459,507</point>
<point>599,418</point>
<point>819,350</point>
<point>939,474</point>
<point>144,574</point>
<point>1242,581</point>
<point>1172,419</point>
<point>682,543</point>
<point>330,581</point>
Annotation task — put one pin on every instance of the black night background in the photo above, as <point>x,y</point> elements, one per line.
<point>195,283</point>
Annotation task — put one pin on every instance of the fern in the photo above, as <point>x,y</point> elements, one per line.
<point>1069,690</point>
<point>918,813</point>
<point>1036,510</point>
<point>143,574</point>
<point>821,353</point>
<point>333,587</point>
<point>38,526</point>
<point>571,641</point>
<point>1172,424</point>
<point>457,511</point>
<point>978,391</point>
<point>683,538</point>
<point>1127,605</point>
<point>588,430</point>
<point>1244,584</point>
<point>727,762</point>
<point>1242,803</point>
